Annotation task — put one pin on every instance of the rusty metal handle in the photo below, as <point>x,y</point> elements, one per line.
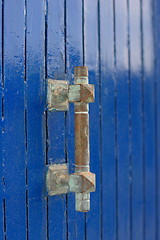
<point>82,182</point>
<point>82,151</point>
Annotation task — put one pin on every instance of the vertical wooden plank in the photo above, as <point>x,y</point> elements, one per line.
<point>1,127</point>
<point>35,118</point>
<point>1,59</point>
<point>136,151</point>
<point>74,51</point>
<point>107,67</point>
<point>149,122</point>
<point>1,49</point>
<point>157,95</point>
<point>122,119</point>
<point>14,126</point>
<point>91,59</point>
<point>56,120</point>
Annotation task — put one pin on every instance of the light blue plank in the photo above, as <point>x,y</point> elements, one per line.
<point>122,121</point>
<point>91,59</point>
<point>1,129</point>
<point>74,50</point>
<point>14,126</point>
<point>35,118</point>
<point>56,120</point>
<point>107,65</point>
<point>157,105</point>
<point>149,122</point>
<point>136,150</point>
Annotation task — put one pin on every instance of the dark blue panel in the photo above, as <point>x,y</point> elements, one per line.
<point>107,66</point>
<point>56,120</point>
<point>91,59</point>
<point>35,119</point>
<point>136,151</point>
<point>14,126</point>
<point>122,121</point>
<point>149,122</point>
<point>74,50</point>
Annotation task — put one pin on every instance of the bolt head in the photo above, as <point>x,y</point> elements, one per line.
<point>82,182</point>
<point>83,93</point>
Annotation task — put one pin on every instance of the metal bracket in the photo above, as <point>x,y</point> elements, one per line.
<point>57,95</point>
<point>60,94</point>
<point>58,180</point>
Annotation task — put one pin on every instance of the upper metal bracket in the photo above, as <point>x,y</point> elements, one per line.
<point>60,94</point>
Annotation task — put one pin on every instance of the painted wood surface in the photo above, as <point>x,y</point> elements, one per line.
<point>119,42</point>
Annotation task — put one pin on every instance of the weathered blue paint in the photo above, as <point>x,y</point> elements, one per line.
<point>57,218</point>
<point>1,131</point>
<point>91,59</point>
<point>122,120</point>
<point>107,83</point>
<point>157,106</point>
<point>14,124</point>
<point>119,42</point>
<point>135,120</point>
<point>74,57</point>
<point>148,123</point>
<point>35,97</point>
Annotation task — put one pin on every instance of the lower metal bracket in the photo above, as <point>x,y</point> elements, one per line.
<point>60,94</point>
<point>58,181</point>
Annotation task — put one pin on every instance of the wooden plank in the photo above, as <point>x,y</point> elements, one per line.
<point>122,121</point>
<point>35,119</point>
<point>136,151</point>
<point>2,230</point>
<point>91,59</point>
<point>14,126</point>
<point>107,79</point>
<point>1,60</point>
<point>56,120</point>
<point>148,123</point>
<point>74,51</point>
<point>157,105</point>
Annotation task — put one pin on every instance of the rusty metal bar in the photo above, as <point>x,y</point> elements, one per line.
<point>82,153</point>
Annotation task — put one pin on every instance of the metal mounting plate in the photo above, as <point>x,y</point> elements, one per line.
<point>57,95</point>
<point>57,179</point>
<point>60,94</point>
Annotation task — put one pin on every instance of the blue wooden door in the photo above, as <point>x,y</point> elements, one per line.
<point>119,40</point>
